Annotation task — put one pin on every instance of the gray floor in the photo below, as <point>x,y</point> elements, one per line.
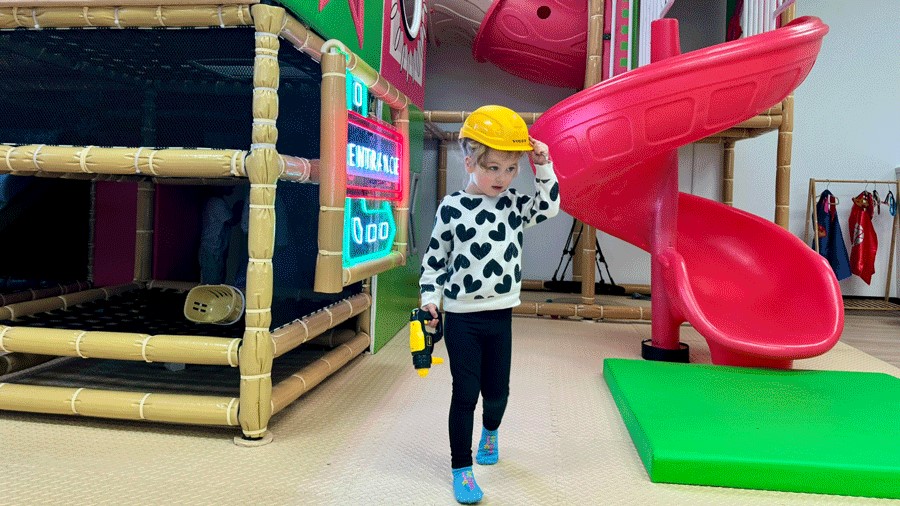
<point>375,433</point>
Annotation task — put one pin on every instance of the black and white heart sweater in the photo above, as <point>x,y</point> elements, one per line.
<point>474,258</point>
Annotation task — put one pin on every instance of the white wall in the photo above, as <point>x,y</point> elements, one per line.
<point>845,127</point>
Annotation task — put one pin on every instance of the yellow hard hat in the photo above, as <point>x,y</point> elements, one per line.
<point>497,127</point>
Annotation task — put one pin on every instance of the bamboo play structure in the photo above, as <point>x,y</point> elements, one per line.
<point>253,350</point>
<point>778,118</point>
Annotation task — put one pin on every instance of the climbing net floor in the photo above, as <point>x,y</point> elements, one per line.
<point>149,311</point>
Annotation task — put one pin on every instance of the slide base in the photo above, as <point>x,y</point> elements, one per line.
<point>650,352</point>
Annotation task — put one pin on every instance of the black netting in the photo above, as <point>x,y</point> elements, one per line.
<point>156,87</point>
<point>151,311</point>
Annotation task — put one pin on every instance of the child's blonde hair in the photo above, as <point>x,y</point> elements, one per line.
<point>477,151</point>
<point>474,149</point>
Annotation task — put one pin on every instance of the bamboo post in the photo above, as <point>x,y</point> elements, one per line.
<point>333,164</point>
<point>442,170</point>
<point>895,229</point>
<point>533,284</point>
<point>143,248</point>
<point>146,202</point>
<point>364,319</point>
<point>728,172</point>
<point>785,144</point>
<point>585,261</point>
<point>263,168</point>
<point>400,118</point>
<point>92,227</point>
<point>577,252</point>
<point>593,74</point>
<point>587,267</point>
<point>191,181</point>
<point>811,219</point>
<point>634,288</point>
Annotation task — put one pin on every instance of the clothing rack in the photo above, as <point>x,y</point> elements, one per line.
<point>810,219</point>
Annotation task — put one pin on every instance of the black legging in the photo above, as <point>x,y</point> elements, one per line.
<point>479,346</point>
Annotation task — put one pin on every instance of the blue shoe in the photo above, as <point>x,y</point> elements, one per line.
<point>464,487</point>
<point>488,452</point>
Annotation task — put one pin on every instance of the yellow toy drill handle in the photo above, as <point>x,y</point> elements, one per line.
<point>421,343</point>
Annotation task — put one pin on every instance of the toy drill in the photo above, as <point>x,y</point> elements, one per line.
<point>422,339</point>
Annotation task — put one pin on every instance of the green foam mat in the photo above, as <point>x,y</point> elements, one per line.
<point>825,432</point>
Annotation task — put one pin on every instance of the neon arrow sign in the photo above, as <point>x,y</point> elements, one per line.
<point>368,232</point>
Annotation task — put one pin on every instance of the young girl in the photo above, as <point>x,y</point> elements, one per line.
<point>474,262</point>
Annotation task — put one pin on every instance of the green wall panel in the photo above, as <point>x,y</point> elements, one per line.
<point>336,21</point>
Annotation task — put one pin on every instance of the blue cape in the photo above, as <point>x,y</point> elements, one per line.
<point>831,244</point>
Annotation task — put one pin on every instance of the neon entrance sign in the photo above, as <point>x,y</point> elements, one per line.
<point>374,159</point>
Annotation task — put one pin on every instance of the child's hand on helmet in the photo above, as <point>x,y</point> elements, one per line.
<point>540,155</point>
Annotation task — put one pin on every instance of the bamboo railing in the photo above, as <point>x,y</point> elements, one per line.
<point>122,14</point>
<point>588,312</point>
<point>297,384</point>
<point>40,293</point>
<point>14,362</point>
<point>290,336</point>
<point>20,309</point>
<point>202,350</point>
<point>177,408</point>
<point>88,162</point>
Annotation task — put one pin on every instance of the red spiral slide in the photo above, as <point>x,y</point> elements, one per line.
<point>758,294</point>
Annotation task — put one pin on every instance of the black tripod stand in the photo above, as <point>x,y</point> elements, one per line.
<point>601,287</point>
